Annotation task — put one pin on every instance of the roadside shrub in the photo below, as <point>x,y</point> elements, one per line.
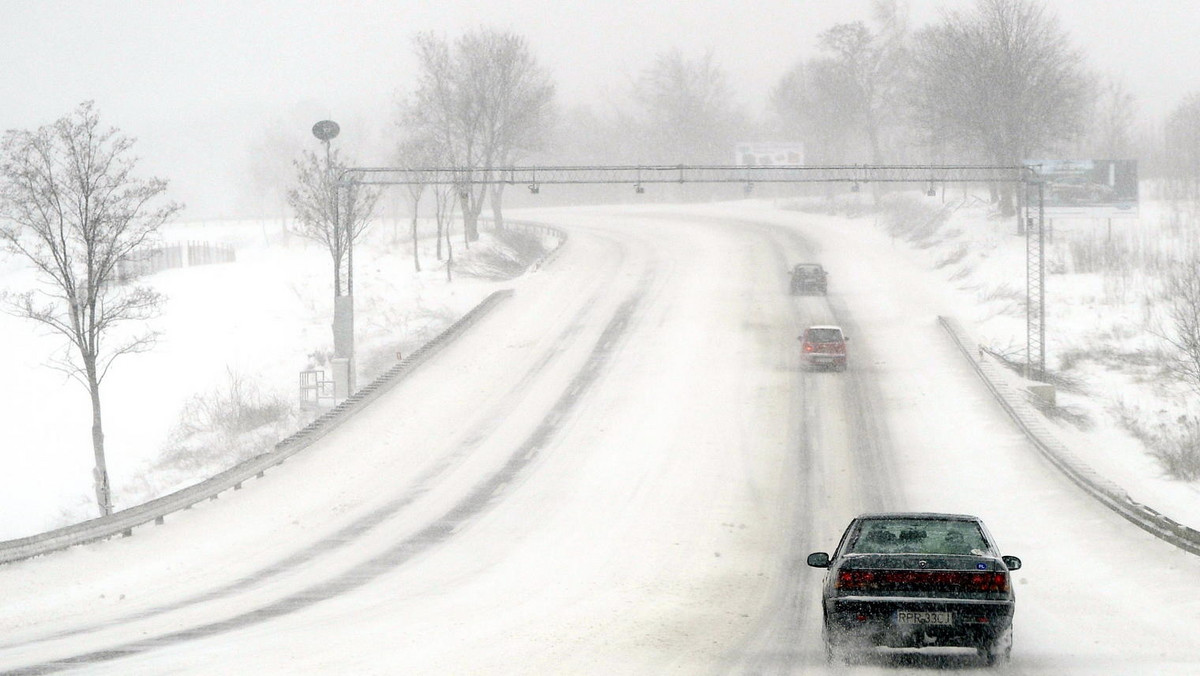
<point>227,425</point>
<point>1068,359</point>
<point>912,219</point>
<point>1005,298</point>
<point>1182,331</point>
<point>959,253</point>
<point>1175,445</point>
<point>513,251</point>
<point>231,411</point>
<point>215,431</point>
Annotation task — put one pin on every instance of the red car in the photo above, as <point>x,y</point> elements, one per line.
<point>824,347</point>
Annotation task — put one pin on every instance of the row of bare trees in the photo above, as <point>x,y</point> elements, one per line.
<point>997,83</point>
<point>482,101</point>
<point>994,83</point>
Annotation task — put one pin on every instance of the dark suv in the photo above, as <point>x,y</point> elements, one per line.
<point>809,278</point>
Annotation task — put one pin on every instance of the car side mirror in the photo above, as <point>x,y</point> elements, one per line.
<point>1012,562</point>
<point>820,560</point>
<point>846,338</point>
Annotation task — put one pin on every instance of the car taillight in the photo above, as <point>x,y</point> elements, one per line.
<point>990,582</point>
<point>808,347</point>
<point>855,579</point>
<point>923,580</point>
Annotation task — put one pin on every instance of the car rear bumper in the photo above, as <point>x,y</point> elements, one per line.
<point>825,359</point>
<point>876,621</point>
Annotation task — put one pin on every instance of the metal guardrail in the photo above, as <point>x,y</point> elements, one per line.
<point>544,230</point>
<point>124,521</point>
<point>1033,424</point>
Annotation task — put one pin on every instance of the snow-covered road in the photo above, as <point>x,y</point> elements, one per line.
<point>620,470</point>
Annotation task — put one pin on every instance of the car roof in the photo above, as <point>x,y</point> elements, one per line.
<point>825,326</point>
<point>918,515</point>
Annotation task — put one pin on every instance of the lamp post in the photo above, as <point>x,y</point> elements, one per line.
<point>343,304</point>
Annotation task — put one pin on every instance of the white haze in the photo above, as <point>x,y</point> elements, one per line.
<point>202,84</point>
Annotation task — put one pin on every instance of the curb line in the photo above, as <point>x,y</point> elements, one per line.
<point>124,521</point>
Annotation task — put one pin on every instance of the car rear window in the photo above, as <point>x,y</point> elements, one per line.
<point>918,536</point>
<point>824,336</point>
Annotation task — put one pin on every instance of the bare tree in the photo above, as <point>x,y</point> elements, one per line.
<point>872,65</point>
<point>1000,83</point>
<point>72,207</point>
<point>582,135</point>
<point>1111,124</point>
<point>416,153</point>
<point>269,169</point>
<point>1182,332</point>
<point>445,198</point>
<point>816,105</point>
<point>335,216</point>
<point>1181,149</point>
<point>485,100</point>
<point>688,112</point>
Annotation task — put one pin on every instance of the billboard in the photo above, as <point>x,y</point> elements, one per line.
<point>1087,188</point>
<point>768,154</point>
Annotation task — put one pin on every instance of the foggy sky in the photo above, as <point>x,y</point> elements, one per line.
<point>199,83</point>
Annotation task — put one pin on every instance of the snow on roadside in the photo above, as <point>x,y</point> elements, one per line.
<point>261,320</point>
<point>266,317</point>
<point>1100,328</point>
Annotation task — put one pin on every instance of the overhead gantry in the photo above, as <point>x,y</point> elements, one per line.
<point>637,176</point>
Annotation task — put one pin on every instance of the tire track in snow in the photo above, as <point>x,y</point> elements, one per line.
<point>783,641</point>
<point>348,534</point>
<point>433,534</point>
<point>470,506</point>
<point>773,644</point>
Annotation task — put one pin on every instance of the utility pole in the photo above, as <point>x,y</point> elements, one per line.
<point>343,304</point>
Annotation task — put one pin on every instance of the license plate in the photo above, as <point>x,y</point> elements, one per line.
<point>924,617</point>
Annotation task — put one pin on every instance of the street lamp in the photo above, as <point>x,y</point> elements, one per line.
<point>343,305</point>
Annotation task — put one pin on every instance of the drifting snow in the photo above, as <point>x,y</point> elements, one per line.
<point>251,325</point>
<point>261,320</point>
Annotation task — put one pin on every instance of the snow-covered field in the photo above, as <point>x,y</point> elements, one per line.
<point>253,324</point>
<point>1104,320</point>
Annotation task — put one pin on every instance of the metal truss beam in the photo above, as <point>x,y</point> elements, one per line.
<point>645,175</point>
<point>1035,285</point>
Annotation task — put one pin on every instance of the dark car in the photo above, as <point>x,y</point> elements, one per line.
<point>917,580</point>
<point>809,278</point>
<point>824,347</point>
